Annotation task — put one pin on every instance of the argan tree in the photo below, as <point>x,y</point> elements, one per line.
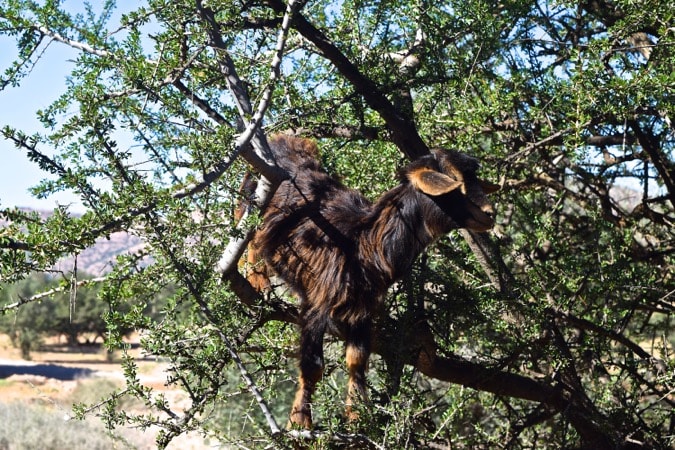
<point>555,330</point>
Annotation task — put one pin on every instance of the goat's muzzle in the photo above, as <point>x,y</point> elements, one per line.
<point>482,218</point>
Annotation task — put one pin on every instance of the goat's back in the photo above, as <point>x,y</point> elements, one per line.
<point>311,229</point>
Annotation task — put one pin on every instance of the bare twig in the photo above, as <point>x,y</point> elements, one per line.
<point>531,147</point>
<point>252,132</point>
<point>252,387</point>
<point>49,293</point>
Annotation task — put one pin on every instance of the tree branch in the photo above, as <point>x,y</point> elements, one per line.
<point>252,387</point>
<point>42,295</point>
<point>663,166</point>
<point>403,130</point>
<point>272,174</point>
<point>587,422</point>
<point>488,256</point>
<point>262,157</point>
<point>70,42</point>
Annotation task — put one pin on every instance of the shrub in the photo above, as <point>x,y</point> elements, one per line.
<point>26,426</point>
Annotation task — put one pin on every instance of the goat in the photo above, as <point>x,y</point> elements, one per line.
<point>340,253</point>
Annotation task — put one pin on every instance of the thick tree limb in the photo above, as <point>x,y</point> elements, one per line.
<point>403,131</point>
<point>587,421</point>
<point>421,353</point>
<point>662,164</point>
<point>261,157</point>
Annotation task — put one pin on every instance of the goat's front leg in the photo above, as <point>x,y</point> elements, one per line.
<point>311,368</point>
<point>357,354</point>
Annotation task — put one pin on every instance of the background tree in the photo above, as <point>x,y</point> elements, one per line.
<point>54,307</point>
<point>27,327</point>
<point>559,323</point>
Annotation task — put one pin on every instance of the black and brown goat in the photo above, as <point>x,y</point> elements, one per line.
<point>339,252</point>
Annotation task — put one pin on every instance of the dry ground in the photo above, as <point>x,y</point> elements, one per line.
<point>58,376</point>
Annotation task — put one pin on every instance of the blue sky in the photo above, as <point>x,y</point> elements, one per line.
<point>18,106</point>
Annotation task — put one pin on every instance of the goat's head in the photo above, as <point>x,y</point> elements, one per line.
<point>449,180</point>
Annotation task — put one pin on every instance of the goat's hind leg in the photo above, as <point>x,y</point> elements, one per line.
<point>357,354</point>
<point>311,368</point>
<point>256,272</point>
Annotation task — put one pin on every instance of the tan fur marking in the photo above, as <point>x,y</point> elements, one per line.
<point>433,183</point>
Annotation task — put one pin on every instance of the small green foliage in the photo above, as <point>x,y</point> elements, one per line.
<point>569,106</point>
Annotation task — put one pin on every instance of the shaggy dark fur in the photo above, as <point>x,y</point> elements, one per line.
<point>339,252</point>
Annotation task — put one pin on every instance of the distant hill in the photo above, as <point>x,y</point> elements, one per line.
<point>97,260</point>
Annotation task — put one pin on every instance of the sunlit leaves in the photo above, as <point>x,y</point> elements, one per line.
<point>547,95</point>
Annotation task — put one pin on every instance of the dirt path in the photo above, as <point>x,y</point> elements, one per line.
<point>63,363</point>
<point>59,376</point>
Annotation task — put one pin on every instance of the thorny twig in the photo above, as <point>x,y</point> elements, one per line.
<point>49,293</point>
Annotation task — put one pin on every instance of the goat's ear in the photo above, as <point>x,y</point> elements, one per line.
<point>431,182</point>
<point>488,188</point>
